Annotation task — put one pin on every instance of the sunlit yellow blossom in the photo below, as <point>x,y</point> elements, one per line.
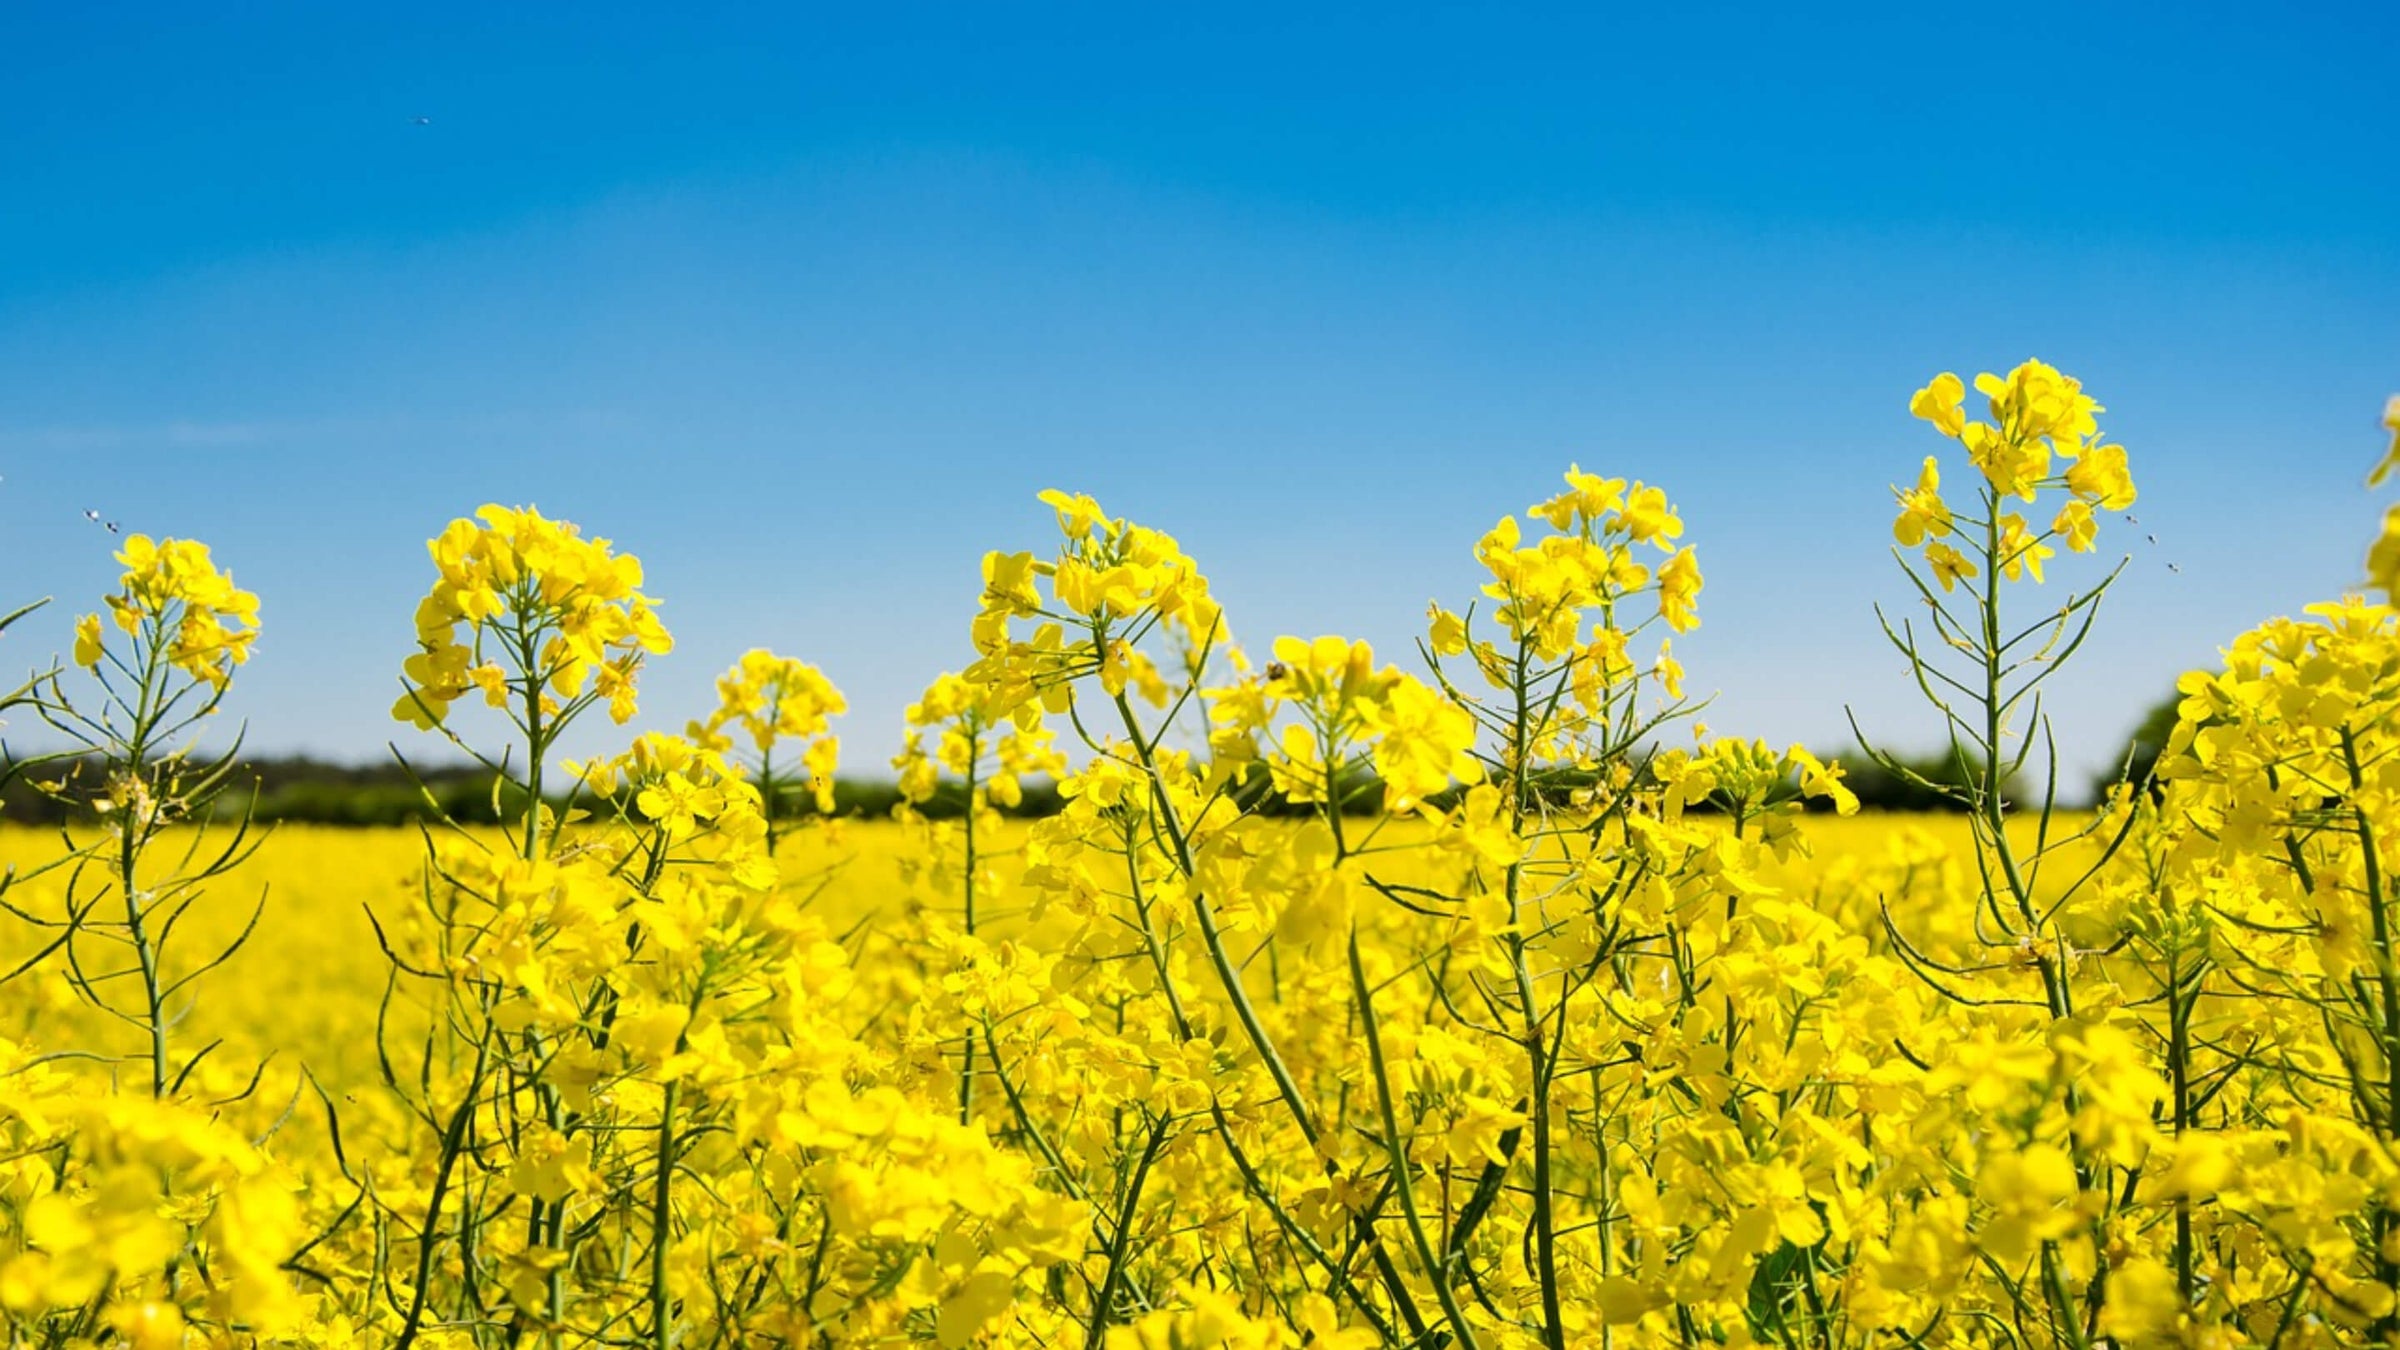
<point>1949,565</point>
<point>1940,403</point>
<point>1589,498</point>
<point>173,591</point>
<point>1669,672</point>
<point>1922,511</point>
<point>779,702</point>
<point>1648,519</point>
<point>2099,476</point>
<point>1678,585</point>
<point>2020,551</point>
<point>1446,632</point>
<point>2075,525</point>
<point>1475,1135</point>
<point>1423,742</point>
<point>528,587</point>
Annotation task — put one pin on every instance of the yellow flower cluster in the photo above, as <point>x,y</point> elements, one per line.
<point>777,700</point>
<point>2038,416</point>
<point>1114,583</point>
<point>1416,741</point>
<point>192,615</point>
<point>993,750</point>
<point>568,610</point>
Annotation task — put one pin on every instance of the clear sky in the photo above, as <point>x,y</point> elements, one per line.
<point>803,305</point>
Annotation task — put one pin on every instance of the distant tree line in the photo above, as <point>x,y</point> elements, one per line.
<point>307,790</point>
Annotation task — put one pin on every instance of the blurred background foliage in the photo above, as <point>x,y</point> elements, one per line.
<point>313,791</point>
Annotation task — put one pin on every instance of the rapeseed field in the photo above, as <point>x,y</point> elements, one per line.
<point>1593,1034</point>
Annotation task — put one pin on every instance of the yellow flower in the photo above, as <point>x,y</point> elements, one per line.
<point>1622,1300</point>
<point>2021,553</point>
<point>1668,671</point>
<point>2143,1305</point>
<point>2013,465</point>
<point>1423,741</point>
<point>1474,1134</point>
<point>1588,499</point>
<point>2035,411</point>
<point>2100,477</point>
<point>148,1326</point>
<point>984,1296</point>
<point>2033,1192</point>
<point>1647,518</point>
<point>1481,827</point>
<point>1078,515</point>
<point>677,804</point>
<point>2075,525</point>
<point>2198,1165</point>
<point>550,1166</point>
<point>1678,586</point>
<point>1316,1316</point>
<point>171,587</point>
<point>1949,565</point>
<point>2035,400</point>
<point>1300,772</point>
<point>1922,511</point>
<point>1446,633</point>
<point>1939,403</point>
<point>493,681</point>
<point>1328,669</point>
<point>650,1033</point>
<point>1820,779</point>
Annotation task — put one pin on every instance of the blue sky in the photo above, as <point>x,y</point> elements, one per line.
<point>804,305</point>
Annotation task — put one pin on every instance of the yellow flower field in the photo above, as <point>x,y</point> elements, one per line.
<point>1590,1034</point>
<point>303,988</point>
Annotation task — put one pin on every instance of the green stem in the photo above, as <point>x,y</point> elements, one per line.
<point>2387,1271</point>
<point>454,1137</point>
<point>1122,1239</point>
<point>1991,807</point>
<point>966,1063</point>
<point>1397,1150</point>
<point>662,1215</point>
<point>1545,1235</point>
<point>768,791</point>
<point>536,744</point>
<point>1228,975</point>
<point>2179,1054</point>
<point>132,832</point>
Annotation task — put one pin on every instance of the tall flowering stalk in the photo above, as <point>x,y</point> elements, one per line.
<point>162,659</point>
<point>990,755</point>
<point>544,624</point>
<point>2059,1185</point>
<point>777,703</point>
<point>139,1217</point>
